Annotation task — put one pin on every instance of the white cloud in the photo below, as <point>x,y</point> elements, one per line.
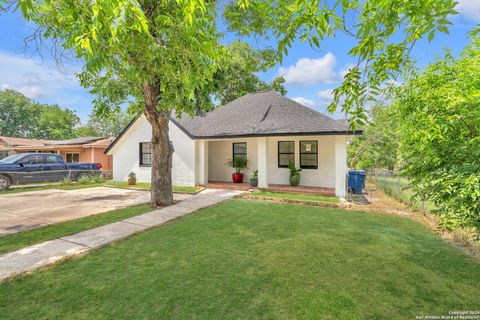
<point>326,96</point>
<point>311,71</point>
<point>306,102</point>
<point>469,8</point>
<point>35,79</point>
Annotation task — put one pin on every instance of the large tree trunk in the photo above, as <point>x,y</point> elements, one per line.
<point>162,149</point>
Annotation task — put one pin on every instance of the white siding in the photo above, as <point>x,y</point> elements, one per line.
<point>323,176</point>
<point>126,154</point>
<point>341,167</point>
<point>220,151</point>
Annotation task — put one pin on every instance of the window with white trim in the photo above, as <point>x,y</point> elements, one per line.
<point>71,157</point>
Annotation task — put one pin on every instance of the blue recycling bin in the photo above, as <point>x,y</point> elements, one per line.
<point>356,181</point>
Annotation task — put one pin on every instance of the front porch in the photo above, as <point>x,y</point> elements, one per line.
<point>324,165</point>
<point>316,191</point>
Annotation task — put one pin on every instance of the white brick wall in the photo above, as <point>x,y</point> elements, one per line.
<point>126,154</point>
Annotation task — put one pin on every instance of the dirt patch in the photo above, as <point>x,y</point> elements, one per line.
<point>378,201</point>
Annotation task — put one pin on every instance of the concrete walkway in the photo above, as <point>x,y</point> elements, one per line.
<point>39,255</point>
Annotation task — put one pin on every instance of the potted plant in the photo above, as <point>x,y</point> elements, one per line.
<point>132,179</point>
<point>294,174</point>
<point>238,164</point>
<point>254,179</point>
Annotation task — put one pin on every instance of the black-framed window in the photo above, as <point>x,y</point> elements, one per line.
<point>286,153</point>
<point>239,150</point>
<point>145,154</point>
<point>71,157</point>
<point>309,154</point>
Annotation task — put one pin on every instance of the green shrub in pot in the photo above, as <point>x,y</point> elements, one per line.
<point>254,179</point>
<point>294,174</point>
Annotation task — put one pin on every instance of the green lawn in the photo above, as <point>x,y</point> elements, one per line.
<point>51,186</point>
<point>247,259</point>
<point>122,184</point>
<point>294,196</point>
<point>53,231</point>
<point>147,186</point>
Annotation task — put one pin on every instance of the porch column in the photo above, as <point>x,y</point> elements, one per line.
<point>340,165</point>
<point>262,162</point>
<point>202,162</point>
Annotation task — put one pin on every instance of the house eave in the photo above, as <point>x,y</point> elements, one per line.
<point>276,134</point>
<point>236,136</point>
<point>280,134</point>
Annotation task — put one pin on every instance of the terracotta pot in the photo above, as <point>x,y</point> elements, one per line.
<point>295,180</point>
<point>132,181</point>
<point>237,177</point>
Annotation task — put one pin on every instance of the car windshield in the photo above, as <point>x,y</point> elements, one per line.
<point>12,159</point>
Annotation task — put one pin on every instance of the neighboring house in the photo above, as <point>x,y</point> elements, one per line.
<point>266,128</point>
<point>85,149</point>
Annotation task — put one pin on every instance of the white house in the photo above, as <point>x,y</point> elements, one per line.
<point>266,128</point>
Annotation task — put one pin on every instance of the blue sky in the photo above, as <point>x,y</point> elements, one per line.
<point>310,74</point>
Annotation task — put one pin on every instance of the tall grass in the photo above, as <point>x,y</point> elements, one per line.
<point>398,188</point>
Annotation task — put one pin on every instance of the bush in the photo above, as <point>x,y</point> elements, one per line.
<point>84,180</point>
<point>97,179</point>
<point>439,135</point>
<point>66,182</point>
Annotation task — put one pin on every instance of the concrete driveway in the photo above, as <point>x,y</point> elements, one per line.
<point>33,209</point>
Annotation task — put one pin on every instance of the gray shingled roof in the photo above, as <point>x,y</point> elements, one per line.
<point>81,140</point>
<point>265,113</point>
<point>256,114</point>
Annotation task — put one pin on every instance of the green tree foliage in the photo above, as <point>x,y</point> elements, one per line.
<point>439,135</point>
<point>55,123</point>
<point>22,117</point>
<point>15,114</point>
<point>163,54</point>
<point>236,75</point>
<point>377,146</point>
<point>383,32</point>
<point>109,125</point>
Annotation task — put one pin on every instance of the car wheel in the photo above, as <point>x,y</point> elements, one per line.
<point>4,182</point>
<point>83,175</point>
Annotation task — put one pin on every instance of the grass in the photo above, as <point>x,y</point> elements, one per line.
<point>147,186</point>
<point>294,196</point>
<point>247,259</point>
<point>53,231</point>
<point>122,184</point>
<point>51,186</point>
